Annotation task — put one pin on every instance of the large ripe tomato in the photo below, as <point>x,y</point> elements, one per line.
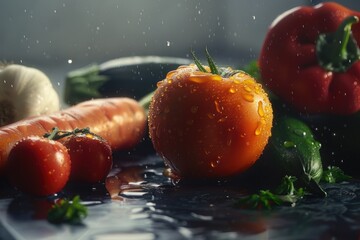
<point>208,126</point>
<point>91,158</point>
<point>38,166</point>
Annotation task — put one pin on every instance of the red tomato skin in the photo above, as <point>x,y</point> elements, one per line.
<point>38,166</point>
<point>91,158</point>
<point>205,126</point>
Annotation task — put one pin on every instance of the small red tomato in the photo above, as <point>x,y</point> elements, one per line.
<point>206,125</point>
<point>91,158</point>
<point>38,166</point>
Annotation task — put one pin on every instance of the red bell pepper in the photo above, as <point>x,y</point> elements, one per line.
<point>310,59</point>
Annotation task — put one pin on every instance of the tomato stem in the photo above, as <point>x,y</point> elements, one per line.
<point>198,63</point>
<point>212,65</point>
<point>57,134</point>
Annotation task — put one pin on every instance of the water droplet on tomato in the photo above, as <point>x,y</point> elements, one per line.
<point>211,115</point>
<point>261,109</point>
<point>158,84</point>
<point>215,163</point>
<point>247,88</point>
<point>217,106</point>
<point>170,74</point>
<point>248,97</point>
<point>216,77</point>
<point>197,79</point>
<point>259,127</point>
<point>223,119</point>
<point>232,90</point>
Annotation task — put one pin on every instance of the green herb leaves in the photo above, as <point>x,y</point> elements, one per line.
<point>285,193</point>
<point>334,175</point>
<point>212,66</point>
<point>72,212</point>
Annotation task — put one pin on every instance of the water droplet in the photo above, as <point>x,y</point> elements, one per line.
<point>248,97</point>
<point>289,144</point>
<point>214,164</point>
<point>211,115</point>
<point>222,120</point>
<point>197,79</point>
<point>217,106</point>
<point>216,77</point>
<point>300,132</point>
<point>261,109</point>
<point>158,84</point>
<point>170,74</point>
<point>259,127</point>
<point>247,88</point>
<point>232,90</point>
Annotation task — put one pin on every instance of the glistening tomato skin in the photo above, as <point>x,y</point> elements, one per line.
<point>91,158</point>
<point>206,126</point>
<point>38,166</point>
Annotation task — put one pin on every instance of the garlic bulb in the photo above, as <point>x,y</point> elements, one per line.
<point>25,92</point>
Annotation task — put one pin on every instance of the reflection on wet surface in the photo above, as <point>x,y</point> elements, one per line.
<point>138,202</point>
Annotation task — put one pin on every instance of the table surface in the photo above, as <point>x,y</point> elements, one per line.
<point>143,204</point>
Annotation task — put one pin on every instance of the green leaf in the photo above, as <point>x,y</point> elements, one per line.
<point>253,69</point>
<point>285,193</point>
<point>72,212</point>
<point>264,199</point>
<point>83,84</point>
<point>334,174</point>
<point>198,63</point>
<point>286,186</point>
<point>211,63</point>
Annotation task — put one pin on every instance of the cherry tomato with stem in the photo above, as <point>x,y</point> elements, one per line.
<point>91,157</point>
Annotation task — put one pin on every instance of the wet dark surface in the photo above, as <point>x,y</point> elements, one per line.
<point>138,202</point>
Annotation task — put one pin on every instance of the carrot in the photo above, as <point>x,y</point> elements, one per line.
<point>120,121</point>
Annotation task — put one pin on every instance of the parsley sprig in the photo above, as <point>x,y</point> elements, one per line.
<point>65,211</point>
<point>334,174</point>
<point>285,193</point>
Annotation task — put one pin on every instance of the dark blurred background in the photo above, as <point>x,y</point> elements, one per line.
<point>59,36</point>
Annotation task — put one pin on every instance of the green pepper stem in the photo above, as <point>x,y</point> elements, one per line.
<point>342,35</point>
<point>337,51</point>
